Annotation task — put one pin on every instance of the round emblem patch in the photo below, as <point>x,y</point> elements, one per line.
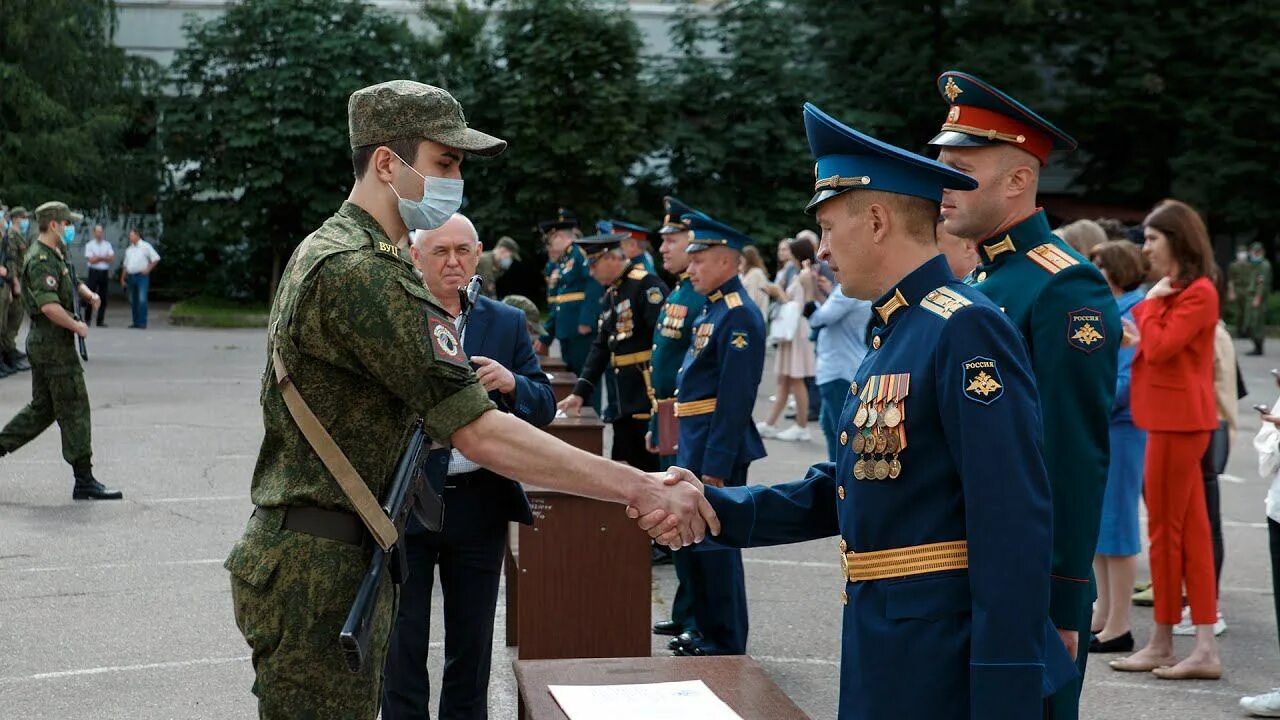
<point>445,340</point>
<point>50,281</point>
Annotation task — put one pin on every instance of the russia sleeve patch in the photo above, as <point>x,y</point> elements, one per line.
<point>1085,330</point>
<point>444,341</point>
<point>982,380</point>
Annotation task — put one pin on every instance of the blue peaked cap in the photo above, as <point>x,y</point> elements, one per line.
<point>708,233</point>
<point>849,160</point>
<point>674,212</point>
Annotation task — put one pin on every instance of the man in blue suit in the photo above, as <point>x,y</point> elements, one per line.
<point>938,493</point>
<point>469,549</point>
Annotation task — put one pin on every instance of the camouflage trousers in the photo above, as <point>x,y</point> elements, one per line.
<point>57,393</point>
<point>11,322</point>
<point>292,593</point>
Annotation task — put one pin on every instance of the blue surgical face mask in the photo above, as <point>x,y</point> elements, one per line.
<point>505,263</point>
<point>23,225</point>
<point>441,198</point>
<point>68,234</point>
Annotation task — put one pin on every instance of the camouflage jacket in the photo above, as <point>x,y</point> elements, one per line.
<point>45,279</point>
<point>369,349</point>
<point>15,250</point>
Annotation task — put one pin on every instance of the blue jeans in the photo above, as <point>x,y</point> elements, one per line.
<point>138,286</point>
<point>832,394</point>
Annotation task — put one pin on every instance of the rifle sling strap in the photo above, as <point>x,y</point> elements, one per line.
<point>353,486</point>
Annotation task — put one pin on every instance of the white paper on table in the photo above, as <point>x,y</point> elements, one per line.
<point>647,701</point>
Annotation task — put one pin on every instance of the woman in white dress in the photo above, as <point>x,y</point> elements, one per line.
<point>795,358</point>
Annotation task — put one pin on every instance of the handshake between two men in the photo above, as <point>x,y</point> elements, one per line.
<point>670,505</point>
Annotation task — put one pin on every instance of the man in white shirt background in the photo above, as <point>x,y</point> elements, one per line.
<point>99,254</point>
<point>135,275</point>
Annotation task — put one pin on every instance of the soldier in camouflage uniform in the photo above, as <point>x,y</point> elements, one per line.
<point>367,347</point>
<point>57,379</point>
<point>494,263</point>
<point>14,243</point>
<point>1250,285</point>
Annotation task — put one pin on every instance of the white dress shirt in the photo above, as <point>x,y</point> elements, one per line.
<point>138,257</point>
<point>99,248</point>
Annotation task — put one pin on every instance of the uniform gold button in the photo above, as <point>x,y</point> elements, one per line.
<point>840,492</point>
<point>844,598</point>
<point>982,277</point>
<point>844,546</point>
<point>844,437</point>
<point>875,343</point>
<point>853,388</point>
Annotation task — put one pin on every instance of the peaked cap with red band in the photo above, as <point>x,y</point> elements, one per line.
<point>981,115</point>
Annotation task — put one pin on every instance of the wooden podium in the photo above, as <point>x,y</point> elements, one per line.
<point>578,579</point>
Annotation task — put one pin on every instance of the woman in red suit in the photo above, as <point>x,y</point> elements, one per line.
<point>1172,399</point>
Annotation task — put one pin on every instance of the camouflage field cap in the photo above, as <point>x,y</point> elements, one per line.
<point>405,109</point>
<point>18,212</point>
<point>59,211</point>
<point>511,246</point>
<point>532,314</point>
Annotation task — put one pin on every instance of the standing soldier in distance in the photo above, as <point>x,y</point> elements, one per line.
<point>57,378</point>
<point>1065,312</point>
<point>572,295</point>
<point>1251,291</point>
<point>632,300</point>
<point>718,441</point>
<point>15,248</point>
<point>671,340</point>
<point>356,339</point>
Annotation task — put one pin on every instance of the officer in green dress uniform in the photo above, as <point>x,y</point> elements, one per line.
<point>671,341</point>
<point>57,378</point>
<point>1065,311</point>
<point>572,295</point>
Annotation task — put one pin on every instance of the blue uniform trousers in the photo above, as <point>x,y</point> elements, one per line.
<point>719,589</point>
<point>469,553</point>
<point>682,605</point>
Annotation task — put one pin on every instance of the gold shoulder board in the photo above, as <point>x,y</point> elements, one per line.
<point>733,300</point>
<point>1051,258</point>
<point>637,273</point>
<point>944,302</point>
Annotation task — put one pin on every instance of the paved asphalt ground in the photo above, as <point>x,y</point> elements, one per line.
<point>122,610</point>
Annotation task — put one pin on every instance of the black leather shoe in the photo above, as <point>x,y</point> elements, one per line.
<point>87,488</point>
<point>660,555</point>
<point>1118,644</point>
<point>684,639</point>
<point>667,627</point>
<point>6,369</point>
<point>19,361</point>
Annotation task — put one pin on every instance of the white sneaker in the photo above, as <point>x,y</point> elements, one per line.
<point>795,433</point>
<point>1265,705</point>
<point>766,430</point>
<point>1185,629</point>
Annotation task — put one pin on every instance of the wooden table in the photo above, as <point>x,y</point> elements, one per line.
<point>585,432</point>
<point>562,382</point>
<point>737,679</point>
<point>551,363</point>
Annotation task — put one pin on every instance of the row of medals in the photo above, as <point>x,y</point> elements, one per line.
<point>625,325</point>
<point>879,432</point>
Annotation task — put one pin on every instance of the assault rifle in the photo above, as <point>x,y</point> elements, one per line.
<point>415,488</point>
<point>78,310</point>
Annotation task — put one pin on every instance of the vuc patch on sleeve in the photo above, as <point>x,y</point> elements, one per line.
<point>444,341</point>
<point>739,340</point>
<point>982,380</point>
<point>1085,331</point>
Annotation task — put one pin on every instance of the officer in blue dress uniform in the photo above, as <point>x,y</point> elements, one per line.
<point>939,494</point>
<point>632,301</point>
<point>671,342</point>
<point>573,297</point>
<point>718,440</point>
<point>634,244</point>
<point>1063,308</point>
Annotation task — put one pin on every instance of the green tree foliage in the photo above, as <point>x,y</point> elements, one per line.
<point>257,135</point>
<point>560,80</point>
<point>77,116</point>
<point>732,132</point>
